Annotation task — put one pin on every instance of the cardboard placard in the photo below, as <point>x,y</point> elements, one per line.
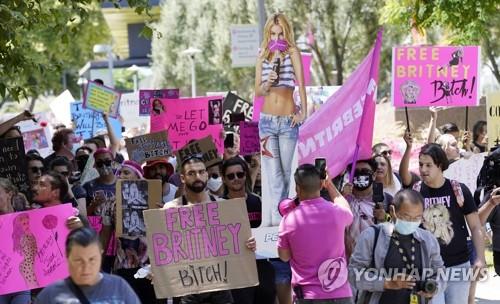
<point>190,118</point>
<point>13,164</point>
<point>249,137</point>
<point>132,198</point>
<point>466,170</point>
<point>147,96</point>
<point>235,104</point>
<point>205,147</point>
<point>102,99</point>
<point>32,252</point>
<point>424,76</point>
<point>87,123</point>
<point>200,248</point>
<point>148,147</point>
<point>493,118</point>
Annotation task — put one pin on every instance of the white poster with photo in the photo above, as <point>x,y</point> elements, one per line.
<point>37,135</point>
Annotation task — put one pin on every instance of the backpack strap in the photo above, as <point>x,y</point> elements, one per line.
<point>457,190</point>
<point>377,232</point>
<point>77,291</point>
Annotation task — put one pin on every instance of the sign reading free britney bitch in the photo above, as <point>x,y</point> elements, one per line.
<point>425,76</point>
<point>200,248</point>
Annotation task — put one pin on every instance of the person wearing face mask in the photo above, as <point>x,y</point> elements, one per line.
<point>394,256</point>
<point>215,184</point>
<point>359,194</point>
<point>62,144</point>
<point>101,201</point>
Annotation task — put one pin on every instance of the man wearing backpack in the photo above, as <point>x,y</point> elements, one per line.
<point>448,207</point>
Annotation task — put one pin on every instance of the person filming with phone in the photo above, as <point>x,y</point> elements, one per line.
<point>311,237</point>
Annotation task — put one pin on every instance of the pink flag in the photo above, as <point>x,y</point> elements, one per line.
<point>343,127</point>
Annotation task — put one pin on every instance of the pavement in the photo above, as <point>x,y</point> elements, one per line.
<point>488,292</point>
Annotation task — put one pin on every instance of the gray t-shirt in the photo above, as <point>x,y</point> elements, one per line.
<point>111,289</point>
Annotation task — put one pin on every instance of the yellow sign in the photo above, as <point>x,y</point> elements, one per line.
<point>102,99</point>
<point>493,118</point>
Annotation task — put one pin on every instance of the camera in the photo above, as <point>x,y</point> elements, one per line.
<point>427,286</point>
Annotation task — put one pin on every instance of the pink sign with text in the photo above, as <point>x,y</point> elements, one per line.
<point>32,252</point>
<point>186,119</point>
<point>425,76</point>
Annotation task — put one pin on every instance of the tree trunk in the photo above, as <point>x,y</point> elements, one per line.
<point>491,57</point>
<point>322,64</point>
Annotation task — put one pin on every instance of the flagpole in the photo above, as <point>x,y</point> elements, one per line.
<point>376,51</point>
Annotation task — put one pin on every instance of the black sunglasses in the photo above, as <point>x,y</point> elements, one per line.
<point>197,156</point>
<point>36,169</point>
<point>363,172</point>
<point>231,176</point>
<point>102,163</point>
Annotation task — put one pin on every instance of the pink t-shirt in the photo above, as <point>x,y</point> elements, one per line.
<point>314,234</point>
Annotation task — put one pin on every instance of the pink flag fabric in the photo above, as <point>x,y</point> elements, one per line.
<point>342,129</point>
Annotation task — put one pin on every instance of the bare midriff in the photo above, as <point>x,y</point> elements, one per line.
<point>279,102</point>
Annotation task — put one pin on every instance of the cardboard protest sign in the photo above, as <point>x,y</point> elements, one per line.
<point>200,248</point>
<point>129,103</point>
<point>190,118</point>
<point>425,76</point>
<point>493,118</point>
<point>32,251</point>
<point>466,170</point>
<point>37,135</point>
<point>249,137</point>
<point>87,123</point>
<point>102,99</point>
<point>235,104</point>
<point>148,147</point>
<point>13,164</point>
<point>147,96</point>
<point>205,147</point>
<point>132,198</point>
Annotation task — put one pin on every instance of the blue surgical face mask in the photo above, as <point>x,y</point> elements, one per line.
<point>405,227</point>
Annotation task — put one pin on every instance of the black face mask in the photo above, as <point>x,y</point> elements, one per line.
<point>81,161</point>
<point>362,181</point>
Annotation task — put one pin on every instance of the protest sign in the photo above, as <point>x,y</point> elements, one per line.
<point>60,107</point>
<point>37,135</point>
<point>146,96</point>
<point>466,170</point>
<point>148,147</point>
<point>200,248</point>
<point>425,76</point>
<point>235,104</point>
<point>244,45</point>
<point>190,118</point>
<point>129,116</point>
<point>132,198</point>
<point>102,99</point>
<point>87,123</point>
<point>13,164</point>
<point>249,137</point>
<point>204,147</point>
<point>95,222</point>
<point>493,118</point>
<point>32,252</point>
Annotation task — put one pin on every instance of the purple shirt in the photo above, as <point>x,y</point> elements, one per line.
<point>314,234</point>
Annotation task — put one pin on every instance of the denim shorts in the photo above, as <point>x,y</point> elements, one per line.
<point>282,271</point>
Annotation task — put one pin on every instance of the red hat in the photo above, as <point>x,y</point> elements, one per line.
<point>103,151</point>
<point>132,165</point>
<point>150,164</point>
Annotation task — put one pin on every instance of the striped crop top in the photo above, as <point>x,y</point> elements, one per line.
<point>287,75</point>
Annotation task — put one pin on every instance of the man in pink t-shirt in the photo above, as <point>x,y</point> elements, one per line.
<point>311,237</point>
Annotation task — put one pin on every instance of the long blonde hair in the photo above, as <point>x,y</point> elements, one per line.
<point>281,20</point>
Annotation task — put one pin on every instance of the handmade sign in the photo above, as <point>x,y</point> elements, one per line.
<point>148,147</point>
<point>204,147</point>
<point>32,251</point>
<point>190,118</point>
<point>102,99</point>
<point>147,96</point>
<point>37,135</point>
<point>13,164</point>
<point>200,248</point>
<point>249,137</point>
<point>132,198</point>
<point>493,118</point>
<point>129,115</point>
<point>466,170</point>
<point>86,123</point>
<point>235,104</point>
<point>425,76</point>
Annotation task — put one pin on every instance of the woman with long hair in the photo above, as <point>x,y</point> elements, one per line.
<point>385,175</point>
<point>25,244</point>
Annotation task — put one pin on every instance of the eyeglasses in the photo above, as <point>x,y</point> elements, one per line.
<point>102,163</point>
<point>36,169</point>
<point>232,176</point>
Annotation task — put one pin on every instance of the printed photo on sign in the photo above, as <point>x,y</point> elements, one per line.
<point>215,111</point>
<point>35,139</point>
<point>147,96</point>
<point>32,251</point>
<point>157,107</point>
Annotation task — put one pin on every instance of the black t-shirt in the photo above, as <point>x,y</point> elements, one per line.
<point>494,220</point>
<point>254,209</point>
<point>446,220</point>
<point>394,260</point>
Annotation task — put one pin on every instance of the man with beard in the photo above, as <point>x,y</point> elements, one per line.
<point>359,194</point>
<point>101,201</point>
<point>161,169</point>
<point>236,177</point>
<point>194,177</point>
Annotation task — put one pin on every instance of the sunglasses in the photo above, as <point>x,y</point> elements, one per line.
<point>100,164</point>
<point>232,176</point>
<point>36,169</point>
<point>198,156</point>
